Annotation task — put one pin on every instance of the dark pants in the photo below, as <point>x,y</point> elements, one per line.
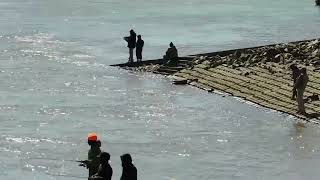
<point>294,93</point>
<point>131,54</point>
<point>301,108</point>
<point>139,54</point>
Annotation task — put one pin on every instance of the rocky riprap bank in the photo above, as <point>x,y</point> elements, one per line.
<point>260,74</point>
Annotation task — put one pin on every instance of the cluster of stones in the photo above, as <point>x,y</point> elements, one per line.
<point>145,68</point>
<point>260,75</point>
<point>306,53</point>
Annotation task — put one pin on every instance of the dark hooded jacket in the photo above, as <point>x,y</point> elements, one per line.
<point>129,171</point>
<point>132,39</point>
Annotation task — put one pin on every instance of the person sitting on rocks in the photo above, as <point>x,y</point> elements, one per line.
<point>171,57</point>
<point>300,85</point>
<point>295,74</point>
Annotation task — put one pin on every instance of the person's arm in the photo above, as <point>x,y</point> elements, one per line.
<point>126,38</point>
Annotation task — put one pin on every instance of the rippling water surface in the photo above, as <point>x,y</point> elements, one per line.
<point>56,85</point>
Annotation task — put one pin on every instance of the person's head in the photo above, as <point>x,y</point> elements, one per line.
<point>99,143</point>
<point>104,157</point>
<point>132,32</point>
<point>139,36</point>
<point>92,139</point>
<point>304,70</point>
<point>171,44</point>
<point>293,67</point>
<point>126,159</point>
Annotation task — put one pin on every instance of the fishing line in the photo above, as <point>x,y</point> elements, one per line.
<point>52,159</point>
<point>66,175</point>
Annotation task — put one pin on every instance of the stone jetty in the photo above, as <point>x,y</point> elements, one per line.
<point>260,74</point>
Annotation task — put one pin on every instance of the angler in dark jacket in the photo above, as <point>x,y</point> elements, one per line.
<point>129,171</point>
<point>93,160</point>
<point>131,43</point>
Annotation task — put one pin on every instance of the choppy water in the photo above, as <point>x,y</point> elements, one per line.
<point>56,86</point>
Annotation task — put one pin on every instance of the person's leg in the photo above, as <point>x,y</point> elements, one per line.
<point>129,60</point>
<point>301,108</point>
<point>138,54</point>
<point>130,54</point>
<point>294,93</point>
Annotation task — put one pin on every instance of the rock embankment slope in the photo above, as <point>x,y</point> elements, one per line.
<point>260,75</point>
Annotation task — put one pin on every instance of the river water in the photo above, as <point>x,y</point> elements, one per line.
<point>57,85</point>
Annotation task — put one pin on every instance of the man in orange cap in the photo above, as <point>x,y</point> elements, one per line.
<point>93,160</point>
<point>92,137</point>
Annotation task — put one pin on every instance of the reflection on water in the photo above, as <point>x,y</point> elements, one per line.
<point>56,86</point>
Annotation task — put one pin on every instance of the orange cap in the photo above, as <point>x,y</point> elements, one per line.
<point>92,137</point>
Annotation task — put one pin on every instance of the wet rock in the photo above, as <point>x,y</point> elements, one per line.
<point>315,61</point>
<point>244,57</point>
<point>278,58</point>
<point>237,54</point>
<point>315,53</point>
<point>180,82</point>
<point>295,53</point>
<point>206,63</point>
<point>271,53</point>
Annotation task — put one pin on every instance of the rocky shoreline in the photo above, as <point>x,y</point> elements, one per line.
<point>259,75</point>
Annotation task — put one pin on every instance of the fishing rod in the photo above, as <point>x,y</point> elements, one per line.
<point>53,159</point>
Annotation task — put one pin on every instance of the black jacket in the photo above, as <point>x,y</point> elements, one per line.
<point>105,171</point>
<point>140,44</point>
<point>132,40</point>
<point>129,172</point>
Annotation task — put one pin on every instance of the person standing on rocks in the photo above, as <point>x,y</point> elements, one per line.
<point>295,74</point>
<point>131,44</point>
<point>139,47</point>
<point>300,85</point>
